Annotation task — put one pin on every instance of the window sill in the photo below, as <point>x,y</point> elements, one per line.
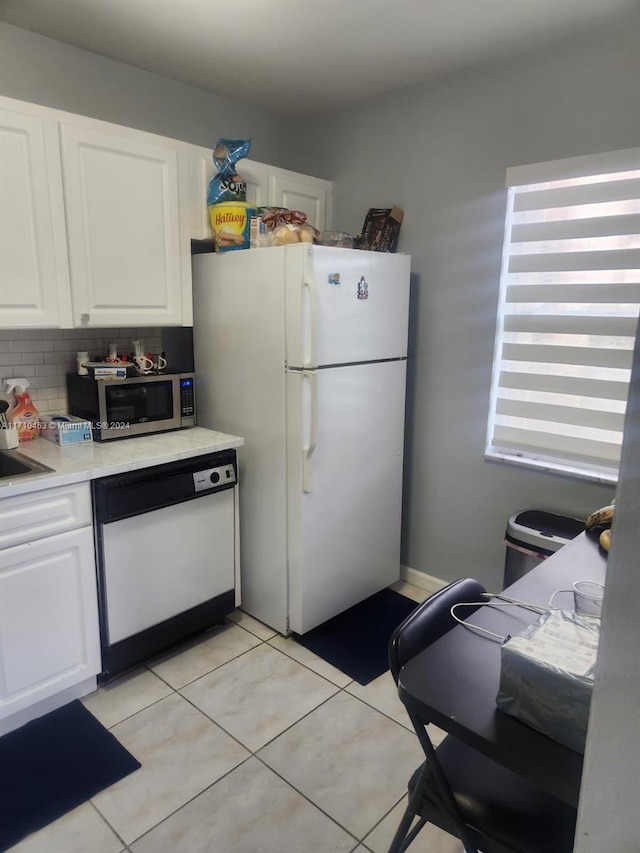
<point>607,478</point>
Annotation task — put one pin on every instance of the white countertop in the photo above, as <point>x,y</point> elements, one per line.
<point>76,463</point>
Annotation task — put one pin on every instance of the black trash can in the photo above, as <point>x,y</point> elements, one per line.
<point>531,536</point>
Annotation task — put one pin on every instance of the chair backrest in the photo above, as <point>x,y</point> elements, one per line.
<point>428,622</point>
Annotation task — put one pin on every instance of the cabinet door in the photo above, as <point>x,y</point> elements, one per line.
<point>256,177</point>
<point>34,281</point>
<point>123,223</point>
<point>47,512</point>
<point>49,636</point>
<point>293,191</point>
<point>202,170</point>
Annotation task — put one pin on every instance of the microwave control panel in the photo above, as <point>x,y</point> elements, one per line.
<point>187,405</point>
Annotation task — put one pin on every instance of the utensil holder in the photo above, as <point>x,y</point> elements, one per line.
<point>9,439</point>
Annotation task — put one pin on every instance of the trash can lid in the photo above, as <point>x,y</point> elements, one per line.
<point>545,531</point>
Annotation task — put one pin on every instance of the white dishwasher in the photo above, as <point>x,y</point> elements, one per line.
<point>166,556</point>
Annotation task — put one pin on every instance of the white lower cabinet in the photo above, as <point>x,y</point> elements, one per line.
<point>49,634</point>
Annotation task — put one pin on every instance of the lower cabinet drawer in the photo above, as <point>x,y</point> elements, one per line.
<point>49,632</point>
<point>26,518</point>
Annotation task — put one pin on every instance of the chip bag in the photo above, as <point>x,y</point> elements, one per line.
<point>227,185</point>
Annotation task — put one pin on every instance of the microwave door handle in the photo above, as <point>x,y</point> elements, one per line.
<point>307,452</point>
<point>176,393</point>
<point>311,314</point>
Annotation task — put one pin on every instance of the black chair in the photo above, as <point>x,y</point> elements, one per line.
<point>459,790</point>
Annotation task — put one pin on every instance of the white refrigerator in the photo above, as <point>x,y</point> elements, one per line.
<point>302,351</point>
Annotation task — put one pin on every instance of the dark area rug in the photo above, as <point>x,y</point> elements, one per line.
<point>53,764</point>
<point>357,640</point>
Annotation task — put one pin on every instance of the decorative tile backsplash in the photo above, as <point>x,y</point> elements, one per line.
<point>44,356</point>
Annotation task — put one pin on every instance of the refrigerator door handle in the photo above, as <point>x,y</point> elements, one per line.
<point>307,452</point>
<point>309,360</point>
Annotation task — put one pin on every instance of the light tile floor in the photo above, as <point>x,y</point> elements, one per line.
<point>249,743</point>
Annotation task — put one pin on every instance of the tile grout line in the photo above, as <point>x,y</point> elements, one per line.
<point>113,829</point>
<point>307,798</point>
<point>340,688</point>
<point>191,799</point>
<point>254,754</point>
<point>204,674</point>
<point>215,668</point>
<point>146,666</point>
<point>211,720</point>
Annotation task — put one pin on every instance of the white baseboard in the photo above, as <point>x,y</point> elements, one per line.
<point>421,579</point>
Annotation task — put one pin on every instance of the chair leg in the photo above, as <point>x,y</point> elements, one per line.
<point>403,837</point>
<point>416,829</point>
<point>444,788</point>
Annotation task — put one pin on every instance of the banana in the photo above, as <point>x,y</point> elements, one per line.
<point>604,515</point>
<point>605,539</point>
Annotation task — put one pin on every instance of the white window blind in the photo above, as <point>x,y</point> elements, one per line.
<point>568,314</point>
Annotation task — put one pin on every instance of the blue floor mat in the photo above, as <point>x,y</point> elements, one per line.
<point>53,764</point>
<point>357,641</point>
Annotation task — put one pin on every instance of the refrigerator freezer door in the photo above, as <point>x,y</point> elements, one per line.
<point>344,499</point>
<point>351,306</point>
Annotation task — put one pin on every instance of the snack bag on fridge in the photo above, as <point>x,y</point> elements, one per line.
<point>226,199</point>
<point>227,184</point>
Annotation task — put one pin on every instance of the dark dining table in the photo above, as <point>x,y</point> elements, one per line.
<point>454,682</point>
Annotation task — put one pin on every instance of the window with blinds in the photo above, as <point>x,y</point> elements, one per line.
<point>568,314</point>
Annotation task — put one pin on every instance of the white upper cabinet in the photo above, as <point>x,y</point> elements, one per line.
<point>128,259</point>
<point>297,192</point>
<point>34,282</point>
<point>96,219</point>
<point>256,176</point>
<point>266,186</point>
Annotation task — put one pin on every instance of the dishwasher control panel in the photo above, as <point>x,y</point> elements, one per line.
<point>211,478</point>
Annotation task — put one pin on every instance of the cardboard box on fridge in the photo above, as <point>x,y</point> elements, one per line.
<point>381,229</point>
<point>66,429</point>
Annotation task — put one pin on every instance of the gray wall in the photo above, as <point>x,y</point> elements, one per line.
<point>440,152</point>
<point>43,71</point>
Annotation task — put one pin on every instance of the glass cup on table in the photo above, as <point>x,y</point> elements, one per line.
<point>587,597</point>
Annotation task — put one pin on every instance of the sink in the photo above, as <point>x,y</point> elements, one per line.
<point>14,464</point>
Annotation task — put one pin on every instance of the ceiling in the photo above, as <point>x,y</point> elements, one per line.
<point>295,57</point>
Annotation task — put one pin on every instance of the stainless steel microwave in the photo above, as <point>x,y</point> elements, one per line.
<point>124,408</point>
